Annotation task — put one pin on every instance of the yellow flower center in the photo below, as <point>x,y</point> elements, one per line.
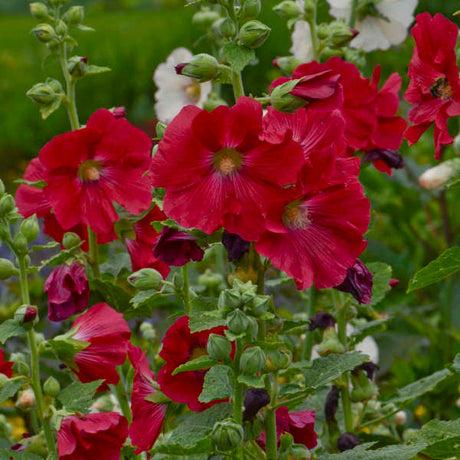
<point>441,89</point>
<point>227,161</point>
<point>295,216</point>
<point>193,91</point>
<point>89,171</point>
<point>197,352</point>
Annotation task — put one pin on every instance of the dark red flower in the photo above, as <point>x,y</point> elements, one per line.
<point>107,335</point>
<point>179,346</point>
<point>176,248</point>
<point>235,245</point>
<point>141,248</point>
<point>147,416</point>
<point>434,88</point>
<point>318,84</point>
<point>88,436</point>
<point>225,176</point>
<point>384,160</point>
<point>301,425</point>
<point>6,367</point>
<point>89,169</point>
<point>68,291</point>
<point>358,282</point>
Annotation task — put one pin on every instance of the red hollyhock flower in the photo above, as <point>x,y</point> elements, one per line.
<point>88,169</point>
<point>319,85</point>
<point>224,176</point>
<point>68,291</point>
<point>6,367</point>
<point>301,425</point>
<point>107,335</point>
<point>316,233</point>
<point>179,346</point>
<point>88,436</point>
<point>177,248</point>
<point>147,416</point>
<point>141,248</point>
<point>434,88</point>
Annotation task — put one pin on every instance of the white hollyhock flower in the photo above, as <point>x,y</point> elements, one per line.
<point>378,32</point>
<point>177,91</point>
<point>302,47</point>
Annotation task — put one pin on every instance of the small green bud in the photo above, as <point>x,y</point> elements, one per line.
<point>7,204</point>
<point>70,240</point>
<point>254,33</point>
<point>74,16</point>
<point>146,278</point>
<point>30,228</point>
<point>26,399</point>
<point>282,100</point>
<point>323,31</point>
<point>309,9</point>
<point>330,343</point>
<point>20,244</point>
<point>227,435</point>
<point>279,359</point>
<point>2,188</point>
<point>251,8</point>
<point>259,304</point>
<point>327,53</point>
<point>26,316</point>
<point>57,2</point>
<point>253,327</point>
<point>42,94</point>
<point>287,63</point>
<point>104,404</point>
<point>287,9</point>
<point>237,321</point>
<point>160,130</point>
<point>61,28</point>
<point>218,346</point>
<point>252,360</point>
<point>77,66</point>
<point>205,18</point>
<point>7,269</point>
<point>230,299</point>
<point>227,28</point>
<point>340,34</point>
<point>39,11</point>
<point>44,33</point>
<point>51,387</point>
<point>148,331</point>
<point>203,67</point>
<point>363,388</point>
<point>210,280</point>
<point>457,144</point>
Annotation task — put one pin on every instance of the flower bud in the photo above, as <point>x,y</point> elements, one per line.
<point>287,63</point>
<point>70,240</point>
<point>146,278</point>
<point>254,400</point>
<point>2,188</point>
<point>148,331</point>
<point>363,388</point>
<point>218,347</point>
<point>321,320</point>
<point>237,321</point>
<point>7,204</point>
<point>330,343</point>
<point>227,28</point>
<point>340,34</point>
<point>251,8</point>
<point>44,33</point>
<point>253,327</point>
<point>282,100</point>
<point>205,18</point>
<point>20,365</point>
<point>212,102</point>
<point>203,67</point>
<point>358,283</point>
<point>287,9</point>
<point>332,404</point>
<point>26,315</point>
<point>42,94</point>
<point>7,269</point>
<point>39,10</point>
<point>259,305</point>
<point>328,52</point>
<point>30,228</point>
<point>436,177</point>
<point>235,245</point>
<point>227,435</point>
<point>254,33</point>
<point>347,441</point>
<point>51,387</point>
<point>74,15</point>
<point>20,244</point>
<point>26,399</point>
<point>57,2</point>
<point>457,144</point>
<point>230,299</point>
<point>400,417</point>
<point>309,8</point>
<point>77,66</point>
<point>252,360</point>
<point>61,27</point>
<point>210,280</point>
<point>279,359</point>
<point>160,130</point>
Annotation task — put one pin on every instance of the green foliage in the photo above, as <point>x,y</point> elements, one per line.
<point>10,388</point>
<point>363,452</point>
<point>380,287</point>
<point>202,362</point>
<point>218,384</point>
<point>204,314</point>
<point>10,328</point>
<point>78,396</point>
<point>238,56</point>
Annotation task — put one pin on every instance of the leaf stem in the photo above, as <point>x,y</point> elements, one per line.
<point>94,253</point>
<point>122,397</point>
<point>308,341</point>
<point>186,290</point>
<point>352,20</point>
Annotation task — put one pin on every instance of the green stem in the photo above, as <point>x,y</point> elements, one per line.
<point>237,82</point>
<point>380,419</point>
<point>94,253</point>
<point>313,29</point>
<point>352,20</point>
<point>121,396</point>
<point>186,290</point>
<point>271,443</point>
<point>308,341</point>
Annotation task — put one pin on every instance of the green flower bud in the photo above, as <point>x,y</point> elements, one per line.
<point>287,63</point>
<point>363,388</point>
<point>20,365</point>
<point>252,360</point>
<point>237,321</point>
<point>330,343</point>
<point>30,228</point>
<point>259,304</point>
<point>287,9</point>
<point>42,94</point>
<point>39,11</point>
<point>146,278</point>
<point>327,53</point>
<point>254,33</point>
<point>340,34</point>
<point>26,399</point>
<point>7,204</point>
<point>51,387</point>
<point>77,66</point>
<point>26,316</point>
<point>229,299</point>
<point>282,100</point>
<point>203,67</point>
<point>309,8</point>
<point>44,33</point>
<point>74,16</point>
<point>279,359</point>
<point>253,327</point>
<point>104,404</point>
<point>7,269</point>
<point>218,346</point>
<point>227,435</point>
<point>160,130</point>
<point>210,280</point>
<point>2,188</point>
<point>251,8</point>
<point>70,240</point>
<point>20,244</point>
<point>205,18</point>
<point>148,331</point>
<point>323,31</point>
<point>457,144</point>
<point>57,2</point>
<point>61,28</point>
<point>227,28</point>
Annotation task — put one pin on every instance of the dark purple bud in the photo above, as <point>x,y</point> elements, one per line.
<point>18,447</point>
<point>179,68</point>
<point>119,112</point>
<point>68,291</point>
<point>393,282</point>
<point>332,403</point>
<point>255,399</point>
<point>30,314</point>
<point>321,320</point>
<point>174,247</point>
<point>358,283</point>
<point>354,32</point>
<point>235,245</point>
<point>369,368</point>
<point>347,441</point>
<point>391,158</point>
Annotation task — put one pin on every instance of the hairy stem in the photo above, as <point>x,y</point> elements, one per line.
<point>308,341</point>
<point>352,20</point>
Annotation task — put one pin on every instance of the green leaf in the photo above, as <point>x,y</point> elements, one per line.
<point>371,328</point>
<point>143,298</point>
<point>295,327</point>
<point>8,454</point>
<point>362,452</point>
<point>218,384</point>
<point>61,257</point>
<point>380,281</point>
<point>95,69</point>
<point>200,363</point>
<point>47,110</point>
<point>238,57</point>
<point>83,28</point>
<point>456,363</point>
<point>50,245</point>
<point>252,381</point>
<point>420,387</point>
<point>204,314</point>
<point>38,184</point>
<point>224,76</point>
<point>445,265</point>
<point>116,264</point>
<point>10,328</point>
<point>78,396</point>
<point>10,388</point>
<point>112,294</point>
